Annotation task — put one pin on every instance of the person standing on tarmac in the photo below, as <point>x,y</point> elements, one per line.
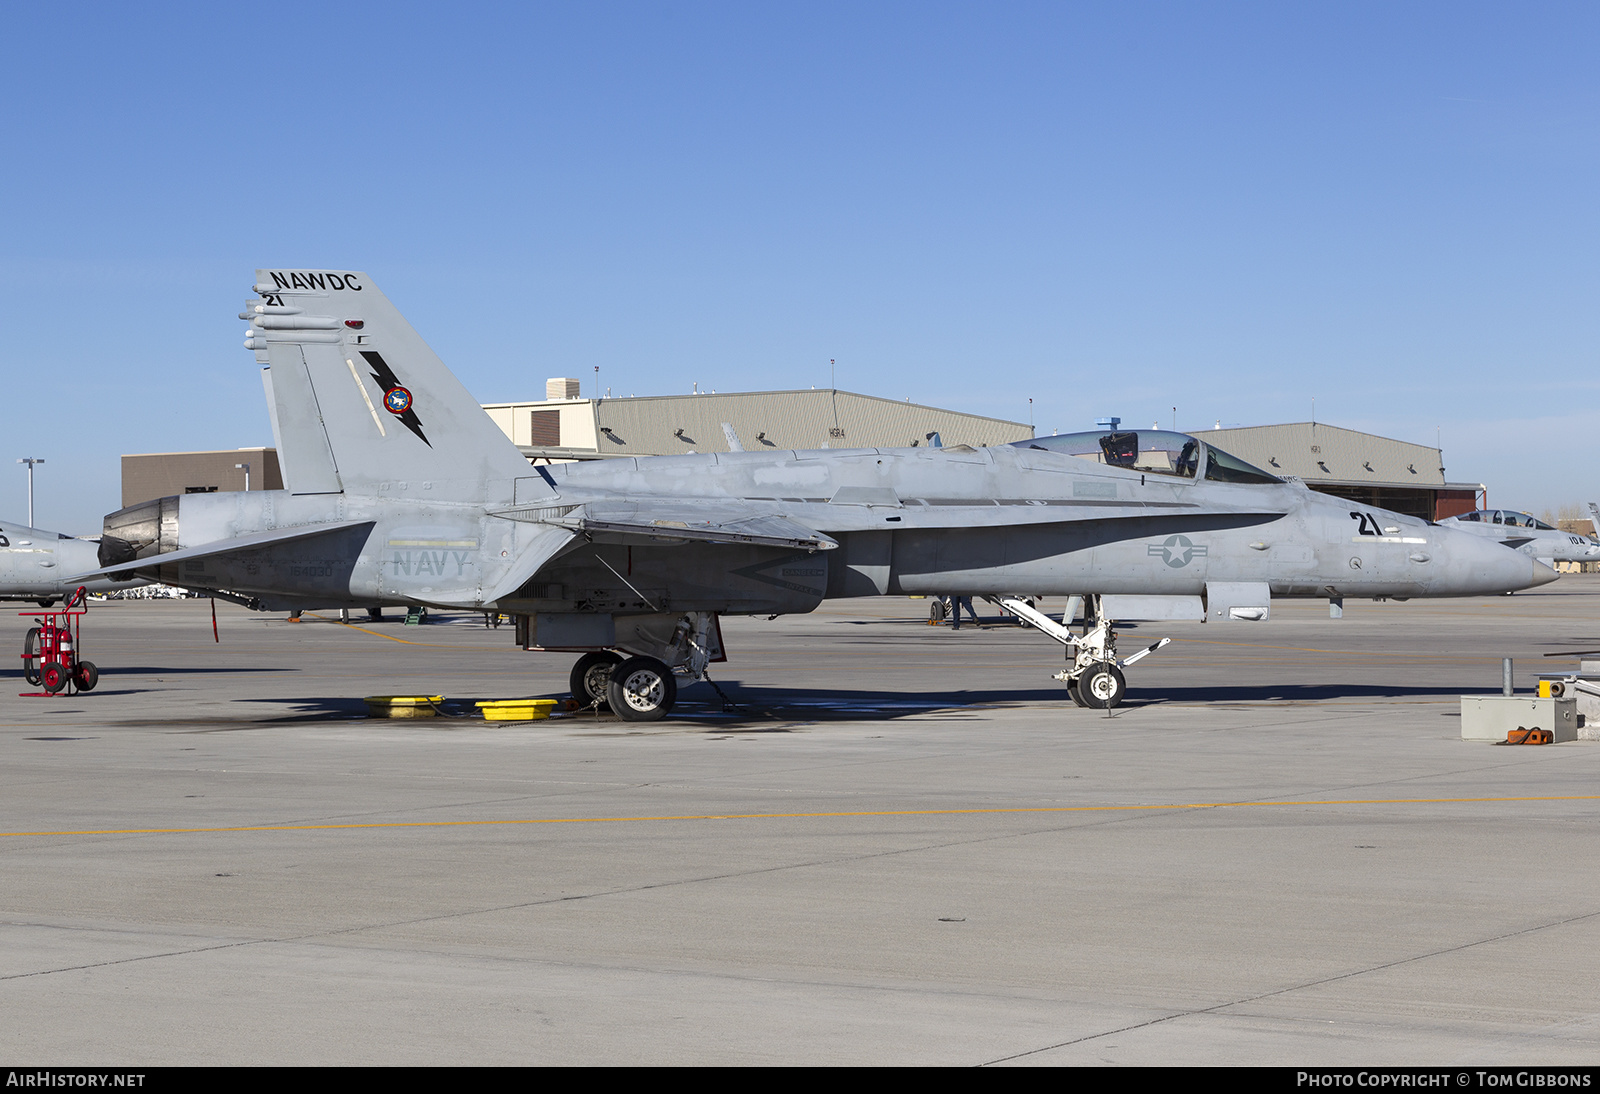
<point>956,603</point>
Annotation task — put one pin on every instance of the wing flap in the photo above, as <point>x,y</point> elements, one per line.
<point>547,542</point>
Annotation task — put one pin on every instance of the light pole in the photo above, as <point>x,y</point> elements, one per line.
<point>246,474</point>
<point>30,461</point>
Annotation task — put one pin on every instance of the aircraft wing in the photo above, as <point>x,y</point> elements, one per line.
<point>710,521</point>
<point>225,547</point>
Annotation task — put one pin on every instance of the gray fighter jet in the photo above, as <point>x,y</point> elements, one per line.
<point>402,491</point>
<point>43,566</point>
<point>1531,536</point>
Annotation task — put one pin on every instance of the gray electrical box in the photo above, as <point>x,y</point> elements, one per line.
<point>1491,717</point>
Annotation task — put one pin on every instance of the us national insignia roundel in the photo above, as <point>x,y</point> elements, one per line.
<point>397,400</point>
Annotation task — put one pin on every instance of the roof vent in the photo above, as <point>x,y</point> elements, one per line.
<point>560,387</point>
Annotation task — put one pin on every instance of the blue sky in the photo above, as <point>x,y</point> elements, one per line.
<point>1110,209</point>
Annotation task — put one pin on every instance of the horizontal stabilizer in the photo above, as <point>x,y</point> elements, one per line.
<point>225,547</point>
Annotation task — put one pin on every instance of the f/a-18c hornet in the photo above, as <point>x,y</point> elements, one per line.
<point>1531,536</point>
<point>41,566</point>
<point>402,491</point>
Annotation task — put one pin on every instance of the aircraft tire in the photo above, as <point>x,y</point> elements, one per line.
<point>590,675</point>
<point>1102,686</point>
<point>85,675</point>
<point>53,677</point>
<point>642,689</point>
<point>30,653</point>
<point>1077,696</point>
<point>45,603</point>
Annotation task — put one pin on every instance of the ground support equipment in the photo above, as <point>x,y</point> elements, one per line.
<point>50,651</point>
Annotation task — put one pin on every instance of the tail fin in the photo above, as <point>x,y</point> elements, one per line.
<point>1594,517</point>
<point>361,403</point>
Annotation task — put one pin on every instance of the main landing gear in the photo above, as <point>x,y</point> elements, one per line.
<point>590,677</point>
<point>642,688</point>
<point>1094,675</point>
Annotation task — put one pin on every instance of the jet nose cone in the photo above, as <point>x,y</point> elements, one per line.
<point>1474,566</point>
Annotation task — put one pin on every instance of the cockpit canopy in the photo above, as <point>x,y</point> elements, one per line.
<point>1153,452</point>
<point>1506,517</point>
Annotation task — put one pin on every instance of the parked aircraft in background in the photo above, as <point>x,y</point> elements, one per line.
<point>1531,536</point>
<point>43,566</point>
<point>401,490</point>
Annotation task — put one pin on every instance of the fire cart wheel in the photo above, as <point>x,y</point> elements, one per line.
<point>53,677</point>
<point>30,653</point>
<point>642,689</point>
<point>85,675</point>
<point>590,676</point>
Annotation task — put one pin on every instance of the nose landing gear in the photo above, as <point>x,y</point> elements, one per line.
<point>1094,678</point>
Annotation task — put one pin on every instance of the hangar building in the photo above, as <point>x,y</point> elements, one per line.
<point>1395,475</point>
<point>564,426</point>
<point>152,475</point>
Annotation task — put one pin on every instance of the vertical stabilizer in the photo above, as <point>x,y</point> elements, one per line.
<point>361,403</point>
<point>304,455</point>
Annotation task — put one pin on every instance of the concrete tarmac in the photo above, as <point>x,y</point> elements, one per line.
<point>906,845</point>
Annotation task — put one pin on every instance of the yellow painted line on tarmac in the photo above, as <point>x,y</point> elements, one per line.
<point>1043,809</point>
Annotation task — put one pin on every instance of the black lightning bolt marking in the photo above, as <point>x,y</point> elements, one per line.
<point>388,381</point>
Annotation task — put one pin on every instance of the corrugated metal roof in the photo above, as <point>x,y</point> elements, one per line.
<point>662,425</point>
<point>1322,453</point>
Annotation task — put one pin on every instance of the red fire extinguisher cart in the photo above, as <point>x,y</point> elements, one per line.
<point>50,651</point>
